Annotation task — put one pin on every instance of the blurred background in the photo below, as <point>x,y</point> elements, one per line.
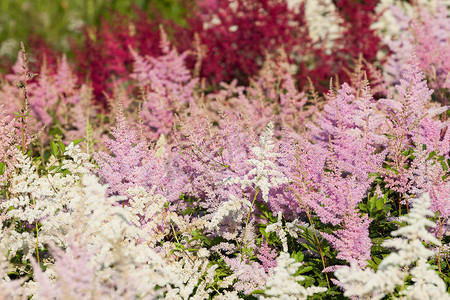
<point>58,23</point>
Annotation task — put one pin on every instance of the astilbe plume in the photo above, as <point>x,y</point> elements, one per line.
<point>324,22</point>
<point>394,268</point>
<point>208,158</point>
<point>8,139</point>
<point>431,146</point>
<point>55,100</point>
<point>264,174</point>
<point>74,276</point>
<point>358,37</point>
<point>272,96</point>
<point>345,142</point>
<point>351,37</point>
<point>42,54</point>
<point>131,162</point>
<point>405,113</point>
<point>148,213</point>
<point>251,275</point>
<point>167,86</point>
<point>348,127</point>
<point>267,257</point>
<point>9,288</point>
<point>432,39</point>
<point>33,199</point>
<point>425,29</point>
<point>211,156</point>
<point>227,174</point>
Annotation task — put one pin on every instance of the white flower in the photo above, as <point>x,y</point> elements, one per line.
<point>203,253</point>
<point>264,176</point>
<point>284,285</point>
<point>232,207</point>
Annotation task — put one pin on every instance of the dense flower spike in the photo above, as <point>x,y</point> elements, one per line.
<point>183,186</point>
<point>166,84</point>
<point>131,163</point>
<point>8,139</point>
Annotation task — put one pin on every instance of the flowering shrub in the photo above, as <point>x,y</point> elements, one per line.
<point>258,188</point>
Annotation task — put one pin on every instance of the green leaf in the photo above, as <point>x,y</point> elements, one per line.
<point>362,206</point>
<point>2,168</point>
<point>257,292</point>
<point>372,202</point>
<point>304,270</point>
<point>380,203</point>
<point>76,142</point>
<point>54,148</point>
<point>444,166</point>
<point>298,256</point>
<point>62,147</point>
<point>432,154</point>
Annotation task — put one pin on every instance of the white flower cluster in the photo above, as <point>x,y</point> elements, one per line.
<point>323,21</point>
<point>194,274</point>
<point>146,211</point>
<point>72,208</point>
<point>232,207</point>
<point>265,174</point>
<point>291,227</point>
<point>284,285</point>
<point>393,269</point>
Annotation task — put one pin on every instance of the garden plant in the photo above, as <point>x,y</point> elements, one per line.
<point>228,149</point>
